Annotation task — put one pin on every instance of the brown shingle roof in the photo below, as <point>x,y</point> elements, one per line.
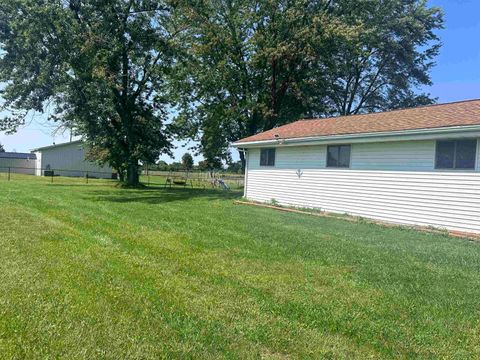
<point>425,117</point>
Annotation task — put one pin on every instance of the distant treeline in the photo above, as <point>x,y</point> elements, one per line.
<point>235,167</point>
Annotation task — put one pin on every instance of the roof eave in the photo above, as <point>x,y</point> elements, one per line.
<point>57,145</point>
<point>416,134</point>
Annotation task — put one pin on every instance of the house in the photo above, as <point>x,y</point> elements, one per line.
<point>69,159</point>
<point>418,166</point>
<point>19,163</point>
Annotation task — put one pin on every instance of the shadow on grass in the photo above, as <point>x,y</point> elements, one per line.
<point>160,195</point>
<point>83,185</point>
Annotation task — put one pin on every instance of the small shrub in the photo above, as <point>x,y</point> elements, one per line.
<point>274,202</point>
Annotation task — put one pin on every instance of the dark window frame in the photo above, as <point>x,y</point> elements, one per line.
<point>270,160</point>
<point>454,166</point>
<point>340,146</point>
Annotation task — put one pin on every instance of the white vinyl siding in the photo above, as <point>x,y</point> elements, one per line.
<point>408,155</point>
<point>313,157</point>
<point>394,182</point>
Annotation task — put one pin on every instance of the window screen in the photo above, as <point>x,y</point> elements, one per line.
<point>267,157</point>
<point>338,156</point>
<point>456,154</point>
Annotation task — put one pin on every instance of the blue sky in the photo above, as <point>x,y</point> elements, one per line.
<point>456,75</point>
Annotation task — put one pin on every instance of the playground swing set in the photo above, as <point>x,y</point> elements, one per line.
<point>185,180</point>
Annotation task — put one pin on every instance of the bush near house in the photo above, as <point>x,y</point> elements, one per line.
<point>95,271</point>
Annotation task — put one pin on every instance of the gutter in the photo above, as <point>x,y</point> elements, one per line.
<point>417,134</point>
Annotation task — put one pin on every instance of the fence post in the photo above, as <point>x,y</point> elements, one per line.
<point>87,177</point>
<point>8,174</point>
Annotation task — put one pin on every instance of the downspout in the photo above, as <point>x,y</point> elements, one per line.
<point>246,172</point>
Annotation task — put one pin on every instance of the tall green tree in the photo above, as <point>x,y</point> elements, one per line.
<point>187,161</point>
<point>248,67</point>
<point>2,149</point>
<point>385,65</point>
<point>252,65</point>
<point>96,66</point>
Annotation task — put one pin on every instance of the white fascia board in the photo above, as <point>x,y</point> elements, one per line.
<point>418,134</point>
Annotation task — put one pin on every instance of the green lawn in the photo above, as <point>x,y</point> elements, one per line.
<point>98,272</point>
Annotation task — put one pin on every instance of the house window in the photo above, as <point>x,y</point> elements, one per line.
<point>267,157</point>
<point>456,154</point>
<point>338,156</point>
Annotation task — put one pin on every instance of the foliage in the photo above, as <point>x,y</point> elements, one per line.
<point>97,66</point>
<point>110,70</point>
<point>383,67</point>
<point>176,166</point>
<point>235,167</point>
<point>164,166</point>
<point>159,166</point>
<point>274,202</point>
<point>202,165</point>
<point>187,161</point>
<point>192,275</point>
<point>250,66</point>
<point>2,149</point>
<point>210,165</point>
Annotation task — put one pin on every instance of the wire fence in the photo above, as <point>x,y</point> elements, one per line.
<point>53,174</point>
<point>202,179</point>
<point>170,179</point>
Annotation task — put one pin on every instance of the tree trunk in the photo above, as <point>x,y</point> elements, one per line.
<point>133,178</point>
<point>243,160</point>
